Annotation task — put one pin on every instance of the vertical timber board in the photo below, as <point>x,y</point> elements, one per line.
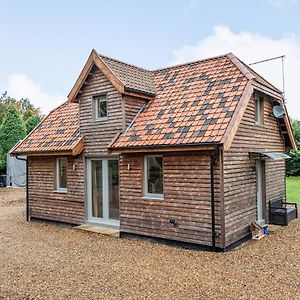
<point>240,175</point>
<point>45,202</point>
<point>187,199</point>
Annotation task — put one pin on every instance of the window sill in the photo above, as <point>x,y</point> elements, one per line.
<point>148,197</point>
<point>100,119</point>
<point>258,125</point>
<point>60,191</point>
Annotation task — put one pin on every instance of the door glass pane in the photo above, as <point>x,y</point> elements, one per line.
<point>113,189</point>
<point>97,189</point>
<point>260,210</point>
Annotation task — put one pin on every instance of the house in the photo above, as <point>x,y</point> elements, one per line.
<point>191,153</point>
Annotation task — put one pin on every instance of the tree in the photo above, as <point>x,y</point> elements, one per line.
<point>12,130</point>
<point>24,107</point>
<point>27,109</point>
<point>293,164</point>
<point>5,103</point>
<point>32,122</point>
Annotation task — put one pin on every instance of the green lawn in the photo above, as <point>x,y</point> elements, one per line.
<point>293,189</point>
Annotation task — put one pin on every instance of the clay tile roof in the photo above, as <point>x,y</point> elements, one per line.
<point>194,104</point>
<point>59,131</point>
<point>134,78</point>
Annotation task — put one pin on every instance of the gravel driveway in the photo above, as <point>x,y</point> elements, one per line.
<point>42,261</point>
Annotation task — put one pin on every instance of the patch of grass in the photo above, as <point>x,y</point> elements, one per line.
<point>293,189</point>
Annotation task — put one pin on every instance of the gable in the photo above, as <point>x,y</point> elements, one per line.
<point>274,132</point>
<point>99,133</point>
<point>266,137</point>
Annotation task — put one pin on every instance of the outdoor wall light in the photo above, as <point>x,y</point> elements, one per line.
<point>173,221</point>
<point>129,167</point>
<point>74,166</point>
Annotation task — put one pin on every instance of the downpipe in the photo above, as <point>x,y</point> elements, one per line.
<point>213,160</point>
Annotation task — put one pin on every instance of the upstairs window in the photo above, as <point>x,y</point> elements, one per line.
<point>153,176</point>
<point>61,174</point>
<point>259,110</point>
<point>100,107</point>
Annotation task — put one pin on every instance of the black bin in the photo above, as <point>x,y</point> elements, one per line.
<point>2,180</point>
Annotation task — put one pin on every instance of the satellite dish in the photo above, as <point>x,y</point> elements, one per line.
<point>278,111</point>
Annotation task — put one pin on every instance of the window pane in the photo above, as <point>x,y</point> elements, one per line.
<point>113,189</point>
<point>101,107</point>
<point>259,113</point>
<point>155,175</point>
<point>256,110</point>
<point>97,189</point>
<point>62,176</point>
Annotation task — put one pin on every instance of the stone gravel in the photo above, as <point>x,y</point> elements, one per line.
<point>46,261</point>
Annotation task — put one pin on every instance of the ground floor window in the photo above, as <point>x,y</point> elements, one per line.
<point>153,176</point>
<point>61,174</point>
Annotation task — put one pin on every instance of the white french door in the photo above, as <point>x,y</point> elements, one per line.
<point>103,191</point>
<point>260,191</point>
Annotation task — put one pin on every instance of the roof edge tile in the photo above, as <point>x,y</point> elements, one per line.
<point>240,66</point>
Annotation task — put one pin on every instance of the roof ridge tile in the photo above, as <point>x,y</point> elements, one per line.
<point>189,63</point>
<point>122,62</point>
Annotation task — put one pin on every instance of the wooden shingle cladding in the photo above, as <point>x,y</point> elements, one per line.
<point>45,202</point>
<point>239,172</point>
<point>187,199</point>
<point>132,106</point>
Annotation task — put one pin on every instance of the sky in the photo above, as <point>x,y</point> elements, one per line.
<point>44,44</point>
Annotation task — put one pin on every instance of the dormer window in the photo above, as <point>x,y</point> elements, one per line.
<point>100,107</point>
<point>259,110</point>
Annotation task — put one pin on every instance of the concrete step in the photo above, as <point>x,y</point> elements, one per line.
<point>115,232</point>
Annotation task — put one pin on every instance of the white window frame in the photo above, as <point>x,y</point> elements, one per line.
<point>259,110</point>
<point>96,100</point>
<point>57,184</point>
<point>146,193</point>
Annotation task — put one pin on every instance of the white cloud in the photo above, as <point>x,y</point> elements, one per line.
<point>21,86</point>
<point>252,47</point>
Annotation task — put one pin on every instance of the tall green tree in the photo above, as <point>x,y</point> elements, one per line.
<point>293,164</point>
<point>32,122</point>
<point>12,130</point>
